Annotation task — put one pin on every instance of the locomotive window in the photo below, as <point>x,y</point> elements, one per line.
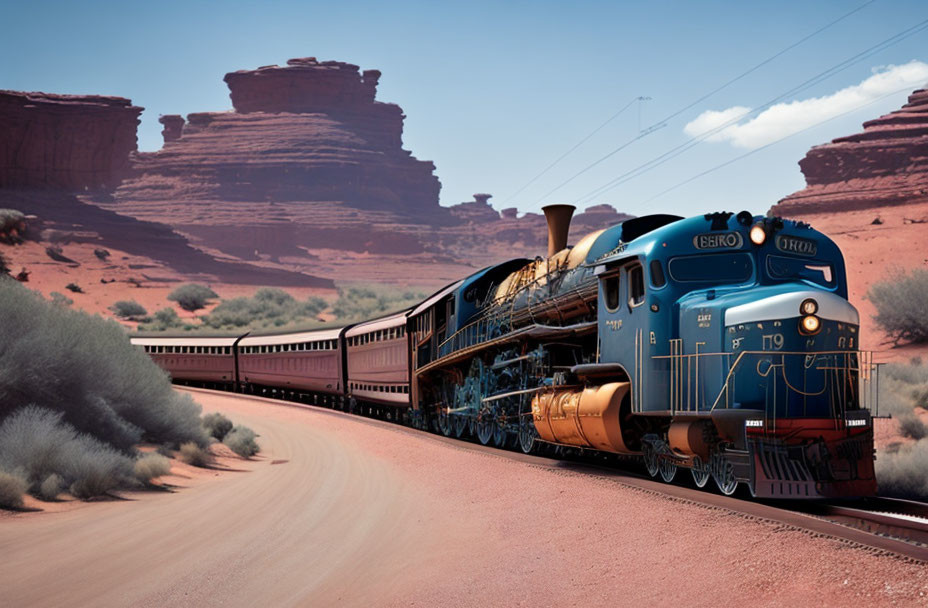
<point>780,267</point>
<point>715,268</point>
<point>611,292</point>
<point>657,274</point>
<point>636,285</point>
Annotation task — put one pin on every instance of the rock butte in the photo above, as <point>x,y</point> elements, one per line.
<point>885,165</point>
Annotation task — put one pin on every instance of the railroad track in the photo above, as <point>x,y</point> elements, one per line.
<point>895,526</point>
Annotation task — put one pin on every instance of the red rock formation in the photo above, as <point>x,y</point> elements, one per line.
<point>309,133</point>
<point>886,164</point>
<point>173,127</point>
<point>71,142</point>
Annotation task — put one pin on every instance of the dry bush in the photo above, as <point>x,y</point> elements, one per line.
<point>163,320</point>
<point>38,443</point>
<point>192,296</point>
<point>367,301</point>
<point>911,426</point>
<point>899,303</point>
<point>52,486</point>
<point>128,309</point>
<point>269,307</point>
<point>12,488</point>
<point>217,426</point>
<point>193,454</point>
<point>242,441</point>
<point>84,366</point>
<point>151,465</point>
<point>904,472</point>
<point>59,299</point>
<point>74,287</point>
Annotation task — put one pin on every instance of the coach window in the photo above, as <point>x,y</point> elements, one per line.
<point>635,286</point>
<point>611,292</point>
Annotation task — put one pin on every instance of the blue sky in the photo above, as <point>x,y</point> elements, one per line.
<point>494,92</point>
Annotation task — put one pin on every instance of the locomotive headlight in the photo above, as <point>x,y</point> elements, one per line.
<point>758,234</point>
<point>810,324</point>
<point>808,307</point>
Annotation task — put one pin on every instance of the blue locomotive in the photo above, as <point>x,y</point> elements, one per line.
<point>723,344</point>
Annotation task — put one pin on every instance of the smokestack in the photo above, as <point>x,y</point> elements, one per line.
<point>558,217</point>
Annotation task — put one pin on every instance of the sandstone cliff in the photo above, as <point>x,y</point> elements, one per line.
<point>886,164</point>
<point>71,142</point>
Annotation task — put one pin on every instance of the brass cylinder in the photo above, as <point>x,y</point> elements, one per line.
<point>587,418</point>
<point>688,438</point>
<point>558,217</point>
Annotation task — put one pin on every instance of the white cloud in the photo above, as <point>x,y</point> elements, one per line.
<point>785,119</point>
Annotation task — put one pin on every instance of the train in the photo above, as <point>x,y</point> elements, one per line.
<point>722,344</point>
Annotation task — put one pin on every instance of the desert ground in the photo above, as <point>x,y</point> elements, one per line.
<point>341,510</point>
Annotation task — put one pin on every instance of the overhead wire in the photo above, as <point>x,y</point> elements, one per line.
<point>662,123</point>
<point>577,145</point>
<point>820,77</point>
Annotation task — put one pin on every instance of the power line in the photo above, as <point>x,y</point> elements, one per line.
<point>662,123</point>
<point>680,149</point>
<point>765,146</point>
<point>577,145</point>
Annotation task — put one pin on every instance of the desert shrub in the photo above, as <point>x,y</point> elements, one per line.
<point>128,309</point>
<point>151,465</point>
<point>84,367</point>
<point>899,302</point>
<point>242,441</point>
<point>911,426</point>
<point>192,296</point>
<point>10,218</point>
<point>217,425</point>
<point>163,320</point>
<point>165,450</point>
<point>52,486</point>
<point>12,488</point>
<point>74,287</point>
<point>193,454</point>
<point>38,443</point>
<point>269,307</point>
<point>4,265</point>
<point>101,254</point>
<point>59,299</point>
<point>904,472</point>
<point>365,301</point>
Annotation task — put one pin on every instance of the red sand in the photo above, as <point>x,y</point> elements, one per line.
<point>360,514</point>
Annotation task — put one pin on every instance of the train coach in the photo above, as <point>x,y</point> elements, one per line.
<point>723,345</point>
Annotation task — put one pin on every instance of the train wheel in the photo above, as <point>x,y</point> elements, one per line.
<point>700,472</point>
<point>724,476</point>
<point>527,434</point>
<point>444,422</point>
<point>460,425</point>
<point>650,460</point>
<point>500,436</point>
<point>485,429</point>
<point>668,469</point>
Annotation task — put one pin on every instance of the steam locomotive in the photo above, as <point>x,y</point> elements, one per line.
<point>723,344</point>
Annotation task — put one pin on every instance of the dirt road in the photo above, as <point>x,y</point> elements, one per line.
<point>363,514</point>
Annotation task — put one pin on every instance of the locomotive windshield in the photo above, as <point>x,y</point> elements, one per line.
<point>714,268</point>
<point>783,268</point>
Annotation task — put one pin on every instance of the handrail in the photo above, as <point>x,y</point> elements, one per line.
<point>682,382</point>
